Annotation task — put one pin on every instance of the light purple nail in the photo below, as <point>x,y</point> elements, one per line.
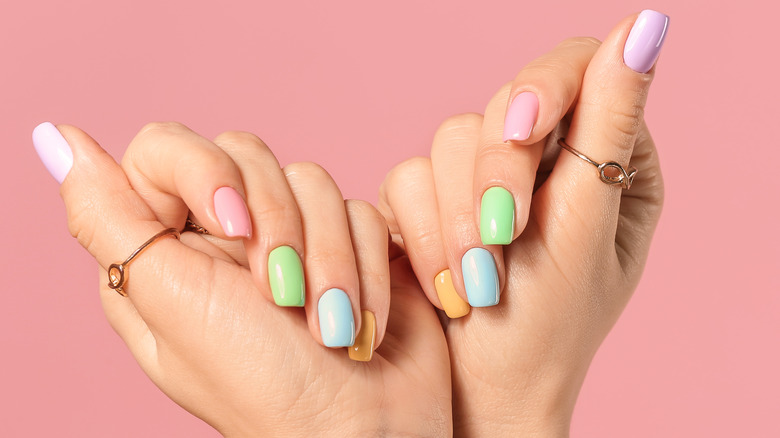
<point>645,40</point>
<point>53,150</point>
<point>521,117</point>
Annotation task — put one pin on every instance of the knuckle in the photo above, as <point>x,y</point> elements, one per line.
<point>587,42</point>
<point>460,123</point>
<point>625,121</point>
<point>408,173</point>
<point>307,169</point>
<point>161,129</point>
<point>240,138</point>
<point>368,215</point>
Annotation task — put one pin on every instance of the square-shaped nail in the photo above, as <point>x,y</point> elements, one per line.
<point>363,348</point>
<point>53,150</point>
<point>645,40</point>
<point>480,277</point>
<point>521,117</point>
<point>232,213</point>
<point>337,325</point>
<point>285,275</point>
<point>454,306</point>
<point>497,217</point>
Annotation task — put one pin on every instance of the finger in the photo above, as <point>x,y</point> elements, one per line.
<point>333,311</point>
<point>111,221</point>
<point>475,268</point>
<point>368,232</point>
<point>540,96</point>
<point>274,251</point>
<point>128,324</point>
<point>176,170</point>
<point>640,207</point>
<point>408,198</point>
<point>606,122</point>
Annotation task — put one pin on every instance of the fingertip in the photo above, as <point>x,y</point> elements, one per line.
<point>53,150</point>
<point>645,40</point>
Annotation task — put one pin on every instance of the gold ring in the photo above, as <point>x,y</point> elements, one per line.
<point>116,272</point>
<point>620,176</point>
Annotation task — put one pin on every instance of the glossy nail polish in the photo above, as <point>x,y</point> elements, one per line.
<point>497,217</point>
<point>285,275</point>
<point>480,277</point>
<point>645,40</point>
<point>232,212</point>
<point>363,348</point>
<point>454,306</point>
<point>521,117</point>
<point>53,150</point>
<point>337,325</point>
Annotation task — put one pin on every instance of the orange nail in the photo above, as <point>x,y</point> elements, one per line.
<point>454,306</point>
<point>363,348</point>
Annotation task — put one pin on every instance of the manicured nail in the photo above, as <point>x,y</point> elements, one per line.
<point>521,116</point>
<point>337,325</point>
<point>480,277</point>
<point>53,150</point>
<point>363,348</point>
<point>285,273</point>
<point>497,217</point>
<point>454,306</point>
<point>232,212</point>
<point>645,40</point>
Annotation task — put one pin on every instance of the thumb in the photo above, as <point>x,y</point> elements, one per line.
<point>110,220</point>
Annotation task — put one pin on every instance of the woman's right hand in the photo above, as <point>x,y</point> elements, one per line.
<point>575,247</point>
<point>206,329</point>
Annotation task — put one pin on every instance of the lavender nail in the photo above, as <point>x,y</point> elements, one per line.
<point>645,40</point>
<point>53,150</point>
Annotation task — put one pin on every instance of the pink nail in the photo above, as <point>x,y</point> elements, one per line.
<point>521,117</point>
<point>232,212</point>
<point>53,150</point>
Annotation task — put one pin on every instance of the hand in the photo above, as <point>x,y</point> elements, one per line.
<point>206,330</point>
<point>575,247</point>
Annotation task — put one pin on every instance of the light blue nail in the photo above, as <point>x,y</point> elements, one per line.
<point>480,277</point>
<point>337,325</point>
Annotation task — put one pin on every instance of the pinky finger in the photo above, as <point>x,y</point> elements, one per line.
<point>368,232</point>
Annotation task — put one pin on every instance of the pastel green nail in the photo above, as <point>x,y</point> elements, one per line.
<point>497,217</point>
<point>285,273</point>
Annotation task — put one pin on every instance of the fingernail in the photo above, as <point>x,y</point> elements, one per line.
<point>645,40</point>
<point>53,150</point>
<point>363,348</point>
<point>480,277</point>
<point>337,325</point>
<point>521,116</point>
<point>232,212</point>
<point>285,273</point>
<point>454,306</point>
<point>497,217</point>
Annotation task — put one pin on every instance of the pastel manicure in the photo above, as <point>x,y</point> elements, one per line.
<point>337,325</point>
<point>232,212</point>
<point>53,150</point>
<point>454,306</point>
<point>480,277</point>
<point>521,117</point>
<point>363,348</point>
<point>285,276</point>
<point>497,217</point>
<point>645,40</point>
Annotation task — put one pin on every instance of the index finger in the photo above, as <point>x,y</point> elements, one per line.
<point>504,174</point>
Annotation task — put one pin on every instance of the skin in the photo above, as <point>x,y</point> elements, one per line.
<point>580,248</point>
<point>212,339</point>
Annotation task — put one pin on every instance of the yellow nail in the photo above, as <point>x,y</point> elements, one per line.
<point>454,305</point>
<point>363,348</point>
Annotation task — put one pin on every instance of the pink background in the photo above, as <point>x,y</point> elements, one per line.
<point>357,88</point>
